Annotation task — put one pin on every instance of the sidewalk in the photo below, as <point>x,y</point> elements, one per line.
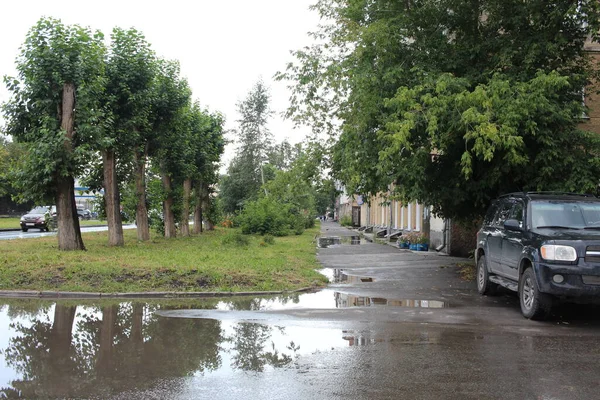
<point>383,271</point>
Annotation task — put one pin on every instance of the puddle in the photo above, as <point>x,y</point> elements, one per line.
<point>63,350</point>
<point>337,275</point>
<point>335,241</point>
<point>328,299</point>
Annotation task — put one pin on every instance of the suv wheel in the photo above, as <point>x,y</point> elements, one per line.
<point>484,285</point>
<point>24,229</point>
<point>534,304</point>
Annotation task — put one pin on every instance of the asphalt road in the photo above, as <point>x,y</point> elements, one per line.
<point>36,233</point>
<point>414,330</point>
<point>393,325</point>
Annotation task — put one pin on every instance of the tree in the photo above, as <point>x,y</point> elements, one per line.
<point>171,96</point>
<point>130,73</point>
<point>54,112</point>
<point>209,145</point>
<point>245,174</point>
<point>454,102</point>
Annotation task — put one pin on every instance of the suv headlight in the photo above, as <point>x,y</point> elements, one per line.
<point>554,252</point>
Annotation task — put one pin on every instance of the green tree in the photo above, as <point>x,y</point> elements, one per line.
<point>54,111</point>
<point>171,95</point>
<point>455,102</point>
<point>245,174</point>
<point>130,73</point>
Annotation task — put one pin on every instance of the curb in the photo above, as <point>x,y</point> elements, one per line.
<point>137,295</point>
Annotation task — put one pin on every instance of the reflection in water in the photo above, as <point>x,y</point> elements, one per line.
<point>326,299</point>
<point>61,350</point>
<point>337,275</point>
<point>334,241</point>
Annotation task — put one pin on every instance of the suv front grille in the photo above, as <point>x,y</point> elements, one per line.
<point>592,254</point>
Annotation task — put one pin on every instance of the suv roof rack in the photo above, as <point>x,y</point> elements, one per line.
<point>551,192</point>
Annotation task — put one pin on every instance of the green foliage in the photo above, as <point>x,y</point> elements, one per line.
<point>52,56</point>
<point>245,173</point>
<point>265,216</point>
<point>453,102</point>
<point>235,239</point>
<point>268,239</point>
<point>346,220</point>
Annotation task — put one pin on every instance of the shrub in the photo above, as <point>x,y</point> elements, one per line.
<point>269,239</point>
<point>346,220</point>
<point>265,216</point>
<point>236,239</point>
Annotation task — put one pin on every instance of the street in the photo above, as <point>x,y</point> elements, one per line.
<point>36,233</point>
<point>392,325</point>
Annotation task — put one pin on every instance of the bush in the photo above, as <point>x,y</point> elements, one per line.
<point>346,220</point>
<point>236,239</point>
<point>265,216</point>
<point>269,239</point>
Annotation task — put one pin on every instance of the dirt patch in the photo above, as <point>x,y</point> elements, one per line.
<point>467,271</point>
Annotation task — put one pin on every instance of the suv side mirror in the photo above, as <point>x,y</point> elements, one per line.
<point>513,225</point>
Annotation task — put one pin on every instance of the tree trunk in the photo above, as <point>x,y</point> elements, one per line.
<point>61,333</point>
<point>206,207</point>
<point>198,209</point>
<point>141,213</point>
<point>185,212</point>
<point>168,215</point>
<point>69,233</point>
<point>112,199</point>
<point>104,362</point>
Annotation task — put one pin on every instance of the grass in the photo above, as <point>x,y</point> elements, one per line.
<point>13,223</point>
<point>467,271</point>
<point>8,223</point>
<point>209,262</point>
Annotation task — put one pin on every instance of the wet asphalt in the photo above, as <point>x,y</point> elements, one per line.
<point>393,324</point>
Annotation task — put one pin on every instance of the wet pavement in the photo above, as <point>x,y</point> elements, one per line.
<point>36,233</point>
<point>393,324</point>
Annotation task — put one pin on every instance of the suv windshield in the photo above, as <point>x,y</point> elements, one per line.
<point>561,213</point>
<point>39,210</point>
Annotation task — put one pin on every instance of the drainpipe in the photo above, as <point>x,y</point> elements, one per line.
<point>444,234</point>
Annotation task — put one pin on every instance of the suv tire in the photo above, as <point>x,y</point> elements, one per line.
<point>534,304</point>
<point>24,229</point>
<point>484,285</point>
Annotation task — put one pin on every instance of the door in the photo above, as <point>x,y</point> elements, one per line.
<point>355,216</point>
<point>512,243</point>
<point>495,236</point>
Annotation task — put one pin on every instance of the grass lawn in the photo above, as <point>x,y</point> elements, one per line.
<point>199,263</point>
<point>8,223</point>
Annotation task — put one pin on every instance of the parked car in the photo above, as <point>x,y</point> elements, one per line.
<point>84,214</point>
<point>545,246</point>
<point>41,217</point>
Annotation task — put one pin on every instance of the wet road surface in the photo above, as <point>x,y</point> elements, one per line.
<point>392,325</point>
<point>36,233</point>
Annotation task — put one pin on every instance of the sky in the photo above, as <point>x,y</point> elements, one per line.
<point>224,46</point>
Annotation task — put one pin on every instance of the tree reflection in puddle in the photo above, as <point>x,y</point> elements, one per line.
<point>63,350</point>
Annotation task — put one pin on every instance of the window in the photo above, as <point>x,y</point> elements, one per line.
<point>503,213</point>
<point>517,212</point>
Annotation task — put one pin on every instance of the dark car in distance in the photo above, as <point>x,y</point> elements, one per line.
<point>545,246</point>
<point>84,214</point>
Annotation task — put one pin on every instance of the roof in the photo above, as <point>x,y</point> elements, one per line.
<point>553,196</point>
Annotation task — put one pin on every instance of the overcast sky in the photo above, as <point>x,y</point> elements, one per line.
<point>223,46</point>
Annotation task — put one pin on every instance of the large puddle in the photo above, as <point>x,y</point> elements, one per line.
<point>75,349</point>
<point>64,350</point>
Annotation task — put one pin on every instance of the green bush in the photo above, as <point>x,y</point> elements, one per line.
<point>236,239</point>
<point>269,239</point>
<point>265,216</point>
<point>346,220</point>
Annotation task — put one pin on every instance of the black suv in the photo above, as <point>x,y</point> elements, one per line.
<point>541,245</point>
